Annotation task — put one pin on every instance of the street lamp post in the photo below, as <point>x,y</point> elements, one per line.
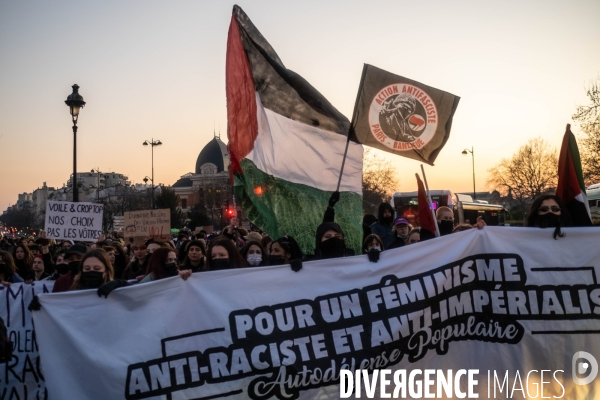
<point>97,171</point>
<point>472,151</point>
<point>75,103</point>
<point>152,143</point>
<point>151,187</point>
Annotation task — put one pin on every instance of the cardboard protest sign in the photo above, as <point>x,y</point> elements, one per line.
<point>509,303</point>
<point>22,378</point>
<point>73,221</point>
<point>155,224</point>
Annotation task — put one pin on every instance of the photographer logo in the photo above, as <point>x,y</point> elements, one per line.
<point>584,368</point>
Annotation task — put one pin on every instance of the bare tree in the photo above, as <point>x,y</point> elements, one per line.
<point>530,172</point>
<point>588,117</point>
<point>379,181</point>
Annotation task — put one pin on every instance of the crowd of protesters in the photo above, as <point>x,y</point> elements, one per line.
<point>112,262</point>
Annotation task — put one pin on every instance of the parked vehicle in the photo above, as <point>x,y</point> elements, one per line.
<point>466,210</point>
<point>593,195</point>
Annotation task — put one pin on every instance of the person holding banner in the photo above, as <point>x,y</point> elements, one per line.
<point>96,269</point>
<point>372,247</point>
<point>330,242</point>
<point>222,254</point>
<point>8,270</point>
<point>284,250</point>
<point>163,264</point>
<point>194,261</point>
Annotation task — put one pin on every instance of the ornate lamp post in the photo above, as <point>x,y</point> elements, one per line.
<point>152,143</point>
<point>75,103</point>
<point>464,153</point>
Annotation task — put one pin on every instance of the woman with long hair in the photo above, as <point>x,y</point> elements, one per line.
<point>8,270</point>
<point>547,211</point>
<point>163,264</point>
<point>222,254</point>
<point>23,261</point>
<point>284,250</point>
<point>254,254</point>
<point>95,270</point>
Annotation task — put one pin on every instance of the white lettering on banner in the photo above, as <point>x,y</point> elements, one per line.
<point>22,377</point>
<point>452,314</point>
<point>75,221</point>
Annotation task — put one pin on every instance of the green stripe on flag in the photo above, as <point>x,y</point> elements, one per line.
<point>284,208</point>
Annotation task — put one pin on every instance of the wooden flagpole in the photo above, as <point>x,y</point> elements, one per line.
<point>437,228</point>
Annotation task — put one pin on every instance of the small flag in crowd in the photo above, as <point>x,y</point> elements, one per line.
<point>286,144</point>
<point>401,116</point>
<point>426,220</point>
<point>571,189</point>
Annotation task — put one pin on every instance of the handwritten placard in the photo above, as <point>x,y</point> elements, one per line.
<point>155,224</point>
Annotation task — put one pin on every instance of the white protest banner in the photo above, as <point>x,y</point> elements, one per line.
<point>73,221</point>
<point>155,224</point>
<point>22,377</point>
<point>509,311</point>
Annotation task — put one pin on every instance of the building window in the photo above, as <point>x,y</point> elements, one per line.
<point>183,203</point>
<point>209,190</point>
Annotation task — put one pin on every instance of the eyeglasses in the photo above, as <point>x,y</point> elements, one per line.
<point>545,209</point>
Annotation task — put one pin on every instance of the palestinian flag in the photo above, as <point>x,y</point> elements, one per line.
<point>402,116</point>
<point>570,189</point>
<point>286,144</point>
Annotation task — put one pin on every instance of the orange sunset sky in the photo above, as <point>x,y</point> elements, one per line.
<point>156,69</point>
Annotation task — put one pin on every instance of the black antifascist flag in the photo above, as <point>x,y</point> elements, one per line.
<point>401,116</point>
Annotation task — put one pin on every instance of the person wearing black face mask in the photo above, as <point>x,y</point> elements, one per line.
<point>8,270</point>
<point>73,257</point>
<point>223,254</point>
<point>330,242</point>
<point>384,228</point>
<point>163,264</point>
<point>284,250</point>
<point>96,269</point>
<point>445,220</point>
<point>61,266</point>
<point>548,212</point>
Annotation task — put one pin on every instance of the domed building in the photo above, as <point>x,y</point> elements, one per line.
<point>209,184</point>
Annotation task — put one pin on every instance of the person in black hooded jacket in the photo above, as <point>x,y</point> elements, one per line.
<point>384,228</point>
<point>329,239</point>
<point>329,242</point>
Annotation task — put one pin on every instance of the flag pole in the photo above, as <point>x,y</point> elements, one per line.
<point>351,128</point>
<point>437,228</point>
<point>343,163</point>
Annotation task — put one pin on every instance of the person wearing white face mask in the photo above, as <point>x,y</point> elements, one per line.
<point>401,229</point>
<point>254,254</point>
